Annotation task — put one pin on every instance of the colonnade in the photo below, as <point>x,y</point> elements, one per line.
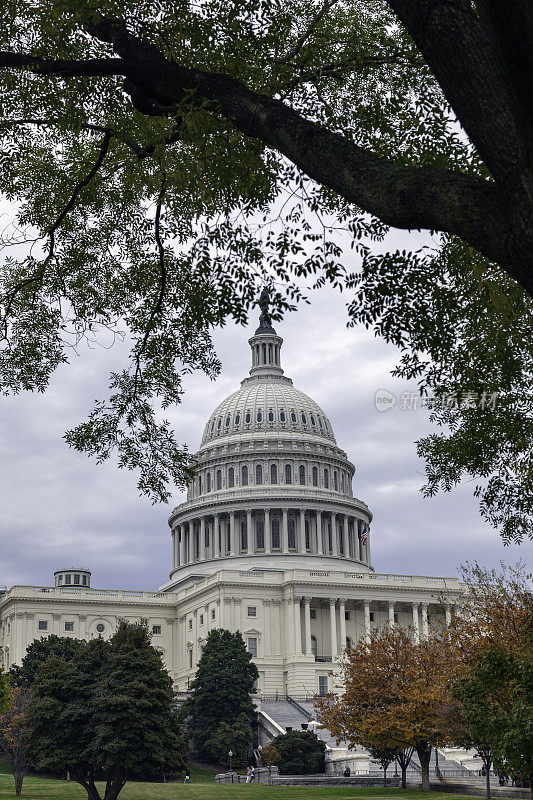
<point>270,530</point>
<point>337,609</point>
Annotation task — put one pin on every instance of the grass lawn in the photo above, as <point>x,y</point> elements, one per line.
<point>206,789</point>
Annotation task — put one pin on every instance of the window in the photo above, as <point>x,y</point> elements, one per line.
<point>231,477</point>
<point>396,618</point>
<point>190,658</point>
<point>252,611</point>
<point>84,580</point>
<point>291,533</point>
<point>156,629</point>
<point>348,642</point>
<point>326,479</point>
<point>275,533</point>
<point>271,416</point>
<point>219,479</point>
<point>307,536</point>
<point>347,616</point>
<point>77,580</point>
<point>248,417</point>
<point>302,475</point>
<point>314,646</point>
<point>341,541</point>
<point>237,419</point>
<point>69,626</point>
<point>213,613</point>
<point>330,538</point>
<point>322,684</point>
<point>259,474</point>
<point>208,481</point>
<point>335,481</point>
<point>201,619</point>
<point>100,628</point>
<point>219,423</point>
<point>315,476</point>
<point>227,422</point>
<point>288,473</point>
<point>244,475</point>
<point>313,421</point>
<point>304,419</point>
<point>43,625</point>
<point>293,416</point>
<point>252,646</point>
<point>282,417</point>
<point>200,484</point>
<point>260,534</point>
<point>59,580</point>
<point>312,613</point>
<point>244,535</point>
<point>371,616</point>
<point>259,416</point>
<point>190,624</point>
<point>68,579</point>
<point>273,473</point>
<point>206,535</point>
<point>320,421</point>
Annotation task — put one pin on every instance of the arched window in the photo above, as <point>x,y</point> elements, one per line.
<point>244,476</point>
<point>219,479</point>
<point>228,420</point>
<point>237,419</point>
<point>313,420</point>
<point>259,416</point>
<point>288,473</point>
<point>335,481</point>
<point>342,482</point>
<point>315,476</point>
<point>219,423</point>
<point>314,645</point>
<point>291,533</point>
<point>248,418</point>
<point>320,421</point>
<point>259,474</point>
<point>307,536</point>
<point>330,538</point>
<point>282,417</point>
<point>304,419</point>
<point>326,479</point>
<point>271,416</point>
<point>348,642</point>
<point>302,475</point>
<point>206,535</point>
<point>231,477</point>
<point>208,481</point>
<point>273,473</point>
<point>260,534</point>
<point>244,535</point>
<point>199,484</point>
<point>341,540</point>
<point>275,533</point>
<point>293,416</point>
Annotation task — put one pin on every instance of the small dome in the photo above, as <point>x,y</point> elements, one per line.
<point>269,404</point>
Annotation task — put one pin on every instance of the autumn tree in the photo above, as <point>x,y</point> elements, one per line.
<point>270,757</point>
<point>384,756</point>
<point>166,159</point>
<point>392,693</point>
<point>14,735</point>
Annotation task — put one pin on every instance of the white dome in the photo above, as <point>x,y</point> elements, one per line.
<point>270,403</point>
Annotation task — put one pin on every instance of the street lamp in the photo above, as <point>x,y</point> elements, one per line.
<point>230,754</point>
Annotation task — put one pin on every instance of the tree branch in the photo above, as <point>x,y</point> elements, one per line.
<point>326,6</point>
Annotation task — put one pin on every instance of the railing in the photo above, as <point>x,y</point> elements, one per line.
<point>298,707</point>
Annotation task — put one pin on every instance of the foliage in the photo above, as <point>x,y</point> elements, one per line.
<point>394,691</point>
<point>235,736</point>
<point>270,756</point>
<point>106,712</point>
<point>302,753</point>
<point>196,150</point>
<point>39,651</point>
<point>385,756</point>
<point>14,735</point>
<point>221,690</point>
<point>4,690</point>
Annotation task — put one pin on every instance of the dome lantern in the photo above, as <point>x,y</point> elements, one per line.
<point>265,345</point>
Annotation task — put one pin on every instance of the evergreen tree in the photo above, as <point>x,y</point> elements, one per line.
<point>108,711</point>
<point>221,690</point>
<point>37,653</point>
<point>301,752</point>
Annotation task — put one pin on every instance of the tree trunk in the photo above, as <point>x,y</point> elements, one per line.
<point>403,768</point>
<point>423,752</point>
<point>385,776</point>
<point>487,761</point>
<point>19,777</point>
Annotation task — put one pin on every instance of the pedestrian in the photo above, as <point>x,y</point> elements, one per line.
<point>248,776</point>
<point>187,777</point>
<point>252,774</point>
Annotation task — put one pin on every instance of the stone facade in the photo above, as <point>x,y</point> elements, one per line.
<point>270,542</point>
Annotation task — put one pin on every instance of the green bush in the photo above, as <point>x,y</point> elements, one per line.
<point>302,753</point>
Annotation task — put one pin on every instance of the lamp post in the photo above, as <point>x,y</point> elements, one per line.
<point>230,754</point>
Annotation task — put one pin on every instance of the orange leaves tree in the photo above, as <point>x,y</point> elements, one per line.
<point>14,735</point>
<point>393,692</point>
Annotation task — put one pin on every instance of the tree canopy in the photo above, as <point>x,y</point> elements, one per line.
<point>39,651</point>
<point>107,713</point>
<point>301,753</point>
<point>167,158</point>
<point>221,690</point>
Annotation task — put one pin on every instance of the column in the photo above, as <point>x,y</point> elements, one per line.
<point>266,630</point>
<point>333,626</point>
<point>181,546</point>
<point>83,626</point>
<point>202,538</point>
<point>391,613</point>
<point>216,541</point>
<point>425,625</point>
<point>307,625</point>
<point>367,620</point>
<point>268,541</point>
<point>284,547</point>
<point>297,626</point>
<point>175,548</point>
<point>448,611</point>
<point>232,549</point>
<point>319,542</point>
<point>416,626</point>
<point>300,544</point>
<point>342,621</point>
<point>249,533</point>
<point>347,546</point>
<point>359,542</point>
<point>334,535</point>
<point>56,618</point>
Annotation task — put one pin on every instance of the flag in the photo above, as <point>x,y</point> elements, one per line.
<point>364,535</point>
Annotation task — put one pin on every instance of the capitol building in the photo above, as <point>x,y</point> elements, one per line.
<point>271,541</point>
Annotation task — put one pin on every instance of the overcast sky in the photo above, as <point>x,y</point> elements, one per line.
<point>59,508</point>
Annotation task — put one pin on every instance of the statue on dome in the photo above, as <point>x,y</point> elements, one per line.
<point>263,303</point>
